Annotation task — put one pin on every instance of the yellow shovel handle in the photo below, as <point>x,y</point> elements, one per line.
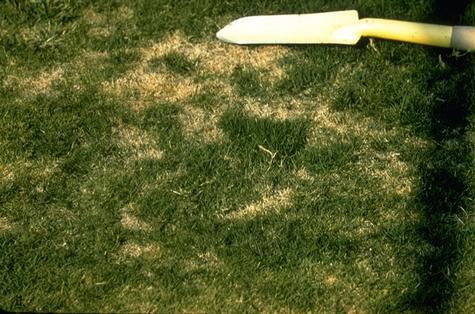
<point>459,37</point>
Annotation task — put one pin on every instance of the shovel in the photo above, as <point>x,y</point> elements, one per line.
<point>342,27</point>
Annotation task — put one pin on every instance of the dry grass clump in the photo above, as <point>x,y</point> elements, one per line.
<point>159,87</point>
<point>331,280</point>
<point>270,202</point>
<point>5,225</point>
<point>131,222</point>
<point>394,175</point>
<point>217,57</point>
<point>43,83</point>
<point>137,144</point>
<point>135,250</point>
<point>201,125</point>
<point>278,109</point>
<point>142,86</point>
<point>302,174</point>
<point>92,17</point>
<point>6,174</point>
<point>36,85</point>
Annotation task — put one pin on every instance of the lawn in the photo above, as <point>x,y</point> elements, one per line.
<point>147,167</point>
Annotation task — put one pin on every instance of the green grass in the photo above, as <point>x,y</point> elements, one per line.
<point>147,167</point>
<point>176,62</point>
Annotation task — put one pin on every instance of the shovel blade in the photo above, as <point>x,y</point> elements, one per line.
<point>316,28</point>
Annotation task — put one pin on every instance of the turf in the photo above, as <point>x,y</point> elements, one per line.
<point>147,167</point>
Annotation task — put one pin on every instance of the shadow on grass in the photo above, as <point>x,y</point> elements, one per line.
<point>444,186</point>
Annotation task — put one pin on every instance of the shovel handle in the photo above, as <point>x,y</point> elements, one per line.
<point>463,38</point>
<point>458,37</point>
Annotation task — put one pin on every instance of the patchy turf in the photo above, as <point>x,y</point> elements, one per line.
<point>148,167</point>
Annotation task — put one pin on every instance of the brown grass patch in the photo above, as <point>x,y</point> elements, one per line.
<point>134,250</point>
<point>214,57</point>
<point>36,85</point>
<point>330,280</point>
<point>341,124</point>
<point>73,71</point>
<point>103,25</point>
<point>394,175</point>
<point>220,58</point>
<point>152,86</point>
<point>5,225</point>
<point>103,32</point>
<point>39,171</point>
<point>138,144</point>
<point>227,57</point>
<point>3,32</point>
<point>124,13</point>
<point>42,84</point>
<point>270,202</point>
<point>277,109</point>
<point>303,174</point>
<point>201,125</point>
<point>29,34</point>
<point>131,222</point>
<point>141,86</point>
<point>323,117</point>
<point>98,24</point>
<point>149,86</point>
<point>6,174</point>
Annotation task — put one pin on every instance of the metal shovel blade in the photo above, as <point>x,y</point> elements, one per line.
<point>317,28</point>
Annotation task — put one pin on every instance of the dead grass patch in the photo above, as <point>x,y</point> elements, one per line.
<point>220,58</point>
<point>137,143</point>
<point>141,86</point>
<point>341,124</point>
<point>135,250</point>
<point>103,32</point>
<point>365,228</point>
<point>124,13</point>
<point>323,117</point>
<point>93,18</point>
<point>98,22</point>
<point>302,174</point>
<point>226,58</point>
<point>36,85</point>
<point>394,175</point>
<point>277,109</point>
<point>5,225</point>
<point>152,86</point>
<point>29,34</point>
<point>43,83</point>
<point>204,260</point>
<point>143,308</point>
<point>270,202</point>
<point>131,222</point>
<point>103,25</point>
<point>147,85</point>
<point>6,174</point>
<point>201,125</point>
<point>331,280</point>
